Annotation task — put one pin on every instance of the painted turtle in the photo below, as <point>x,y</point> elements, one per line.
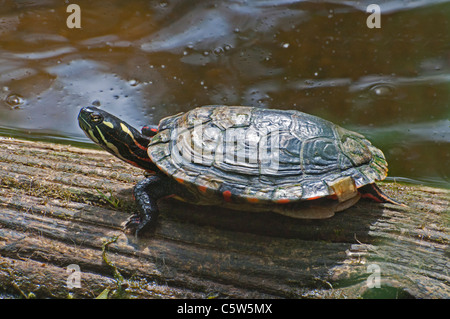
<point>244,158</point>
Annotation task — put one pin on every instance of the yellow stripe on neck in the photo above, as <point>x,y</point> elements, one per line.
<point>126,130</point>
<point>110,145</point>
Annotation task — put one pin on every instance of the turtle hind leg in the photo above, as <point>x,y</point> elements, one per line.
<point>373,192</point>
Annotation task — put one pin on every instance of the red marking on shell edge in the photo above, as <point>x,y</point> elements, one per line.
<point>227,196</point>
<point>252,200</point>
<point>283,201</point>
<point>179,180</point>
<point>202,188</point>
<point>314,198</point>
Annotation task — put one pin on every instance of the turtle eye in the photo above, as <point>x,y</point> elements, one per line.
<point>96,118</point>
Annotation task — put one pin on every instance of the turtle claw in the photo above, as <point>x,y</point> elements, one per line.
<point>135,223</point>
<point>132,224</point>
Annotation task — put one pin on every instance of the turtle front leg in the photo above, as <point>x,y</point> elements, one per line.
<point>146,193</point>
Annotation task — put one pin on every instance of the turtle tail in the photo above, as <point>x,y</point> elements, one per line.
<point>373,192</point>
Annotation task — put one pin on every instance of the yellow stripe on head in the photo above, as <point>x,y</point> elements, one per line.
<point>108,124</point>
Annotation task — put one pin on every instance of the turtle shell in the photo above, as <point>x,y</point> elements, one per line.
<point>261,155</point>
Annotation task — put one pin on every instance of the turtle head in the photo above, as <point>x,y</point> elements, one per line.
<point>116,137</point>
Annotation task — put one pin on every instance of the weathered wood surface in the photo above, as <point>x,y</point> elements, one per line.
<point>53,213</point>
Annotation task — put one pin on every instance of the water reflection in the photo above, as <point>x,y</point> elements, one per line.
<point>144,60</point>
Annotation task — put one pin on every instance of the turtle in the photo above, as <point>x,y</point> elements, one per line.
<point>244,158</point>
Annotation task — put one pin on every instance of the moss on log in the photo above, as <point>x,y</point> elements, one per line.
<point>63,205</point>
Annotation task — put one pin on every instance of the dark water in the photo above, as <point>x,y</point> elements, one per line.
<point>144,60</point>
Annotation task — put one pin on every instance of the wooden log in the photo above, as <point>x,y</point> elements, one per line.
<point>62,206</point>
